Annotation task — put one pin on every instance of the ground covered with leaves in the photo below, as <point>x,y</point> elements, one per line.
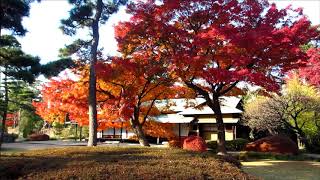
<point>116,163</point>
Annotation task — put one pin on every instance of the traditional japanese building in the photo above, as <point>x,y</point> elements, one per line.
<point>191,116</point>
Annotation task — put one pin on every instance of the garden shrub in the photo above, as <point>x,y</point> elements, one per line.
<point>313,144</point>
<point>69,132</point>
<point>57,128</point>
<point>234,145</point>
<point>276,144</point>
<point>9,138</point>
<point>38,137</point>
<point>195,143</point>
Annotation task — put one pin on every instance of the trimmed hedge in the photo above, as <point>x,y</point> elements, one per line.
<point>313,145</point>
<point>194,143</point>
<point>9,138</point>
<point>234,145</point>
<point>38,137</point>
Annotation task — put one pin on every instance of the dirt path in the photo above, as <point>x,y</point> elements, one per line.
<point>283,170</point>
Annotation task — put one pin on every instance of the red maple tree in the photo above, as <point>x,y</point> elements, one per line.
<point>212,46</point>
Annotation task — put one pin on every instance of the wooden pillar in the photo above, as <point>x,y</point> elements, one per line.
<point>114,132</point>
<point>75,138</point>
<point>80,136</point>
<point>121,132</point>
<point>179,131</point>
<point>235,132</point>
<point>198,131</point>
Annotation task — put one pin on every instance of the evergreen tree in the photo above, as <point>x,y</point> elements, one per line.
<point>89,14</point>
<point>15,65</point>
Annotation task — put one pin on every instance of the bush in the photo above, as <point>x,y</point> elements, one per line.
<point>195,143</point>
<point>57,128</point>
<point>29,122</point>
<point>9,138</point>
<point>69,132</point>
<point>38,137</point>
<point>313,144</point>
<point>234,145</point>
<point>276,144</point>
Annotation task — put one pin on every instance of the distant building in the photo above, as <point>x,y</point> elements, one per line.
<point>191,116</point>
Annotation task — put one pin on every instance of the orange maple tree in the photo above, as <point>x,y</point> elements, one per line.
<point>127,90</point>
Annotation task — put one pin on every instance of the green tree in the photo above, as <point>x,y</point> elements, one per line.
<point>21,95</point>
<point>15,65</point>
<point>89,14</point>
<point>11,14</point>
<point>29,122</point>
<point>295,109</point>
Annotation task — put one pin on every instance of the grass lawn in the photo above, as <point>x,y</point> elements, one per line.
<point>116,163</point>
<point>283,170</point>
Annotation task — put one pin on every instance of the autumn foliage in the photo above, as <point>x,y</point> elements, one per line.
<point>123,88</point>
<point>207,46</point>
<point>311,72</point>
<point>212,46</point>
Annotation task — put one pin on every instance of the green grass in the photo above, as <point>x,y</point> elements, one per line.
<point>283,170</point>
<point>116,163</point>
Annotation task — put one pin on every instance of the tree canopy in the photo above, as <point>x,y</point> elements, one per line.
<point>211,46</point>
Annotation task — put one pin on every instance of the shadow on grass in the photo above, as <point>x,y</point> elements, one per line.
<point>19,164</point>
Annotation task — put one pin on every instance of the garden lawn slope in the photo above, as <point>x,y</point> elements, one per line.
<point>116,163</point>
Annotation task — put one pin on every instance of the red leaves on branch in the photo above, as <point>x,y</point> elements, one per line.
<point>311,72</point>
<point>219,42</point>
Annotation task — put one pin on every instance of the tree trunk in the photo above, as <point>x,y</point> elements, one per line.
<point>137,129</point>
<point>221,141</point>
<point>92,99</point>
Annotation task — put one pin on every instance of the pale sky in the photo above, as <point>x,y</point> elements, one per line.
<point>44,38</point>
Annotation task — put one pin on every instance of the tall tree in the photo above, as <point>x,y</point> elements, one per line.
<point>89,14</point>
<point>14,63</point>
<point>212,46</point>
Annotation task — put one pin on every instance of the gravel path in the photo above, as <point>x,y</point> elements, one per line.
<point>34,145</point>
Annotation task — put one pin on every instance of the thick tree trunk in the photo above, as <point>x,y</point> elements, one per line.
<point>92,99</point>
<point>137,129</point>
<point>221,141</point>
